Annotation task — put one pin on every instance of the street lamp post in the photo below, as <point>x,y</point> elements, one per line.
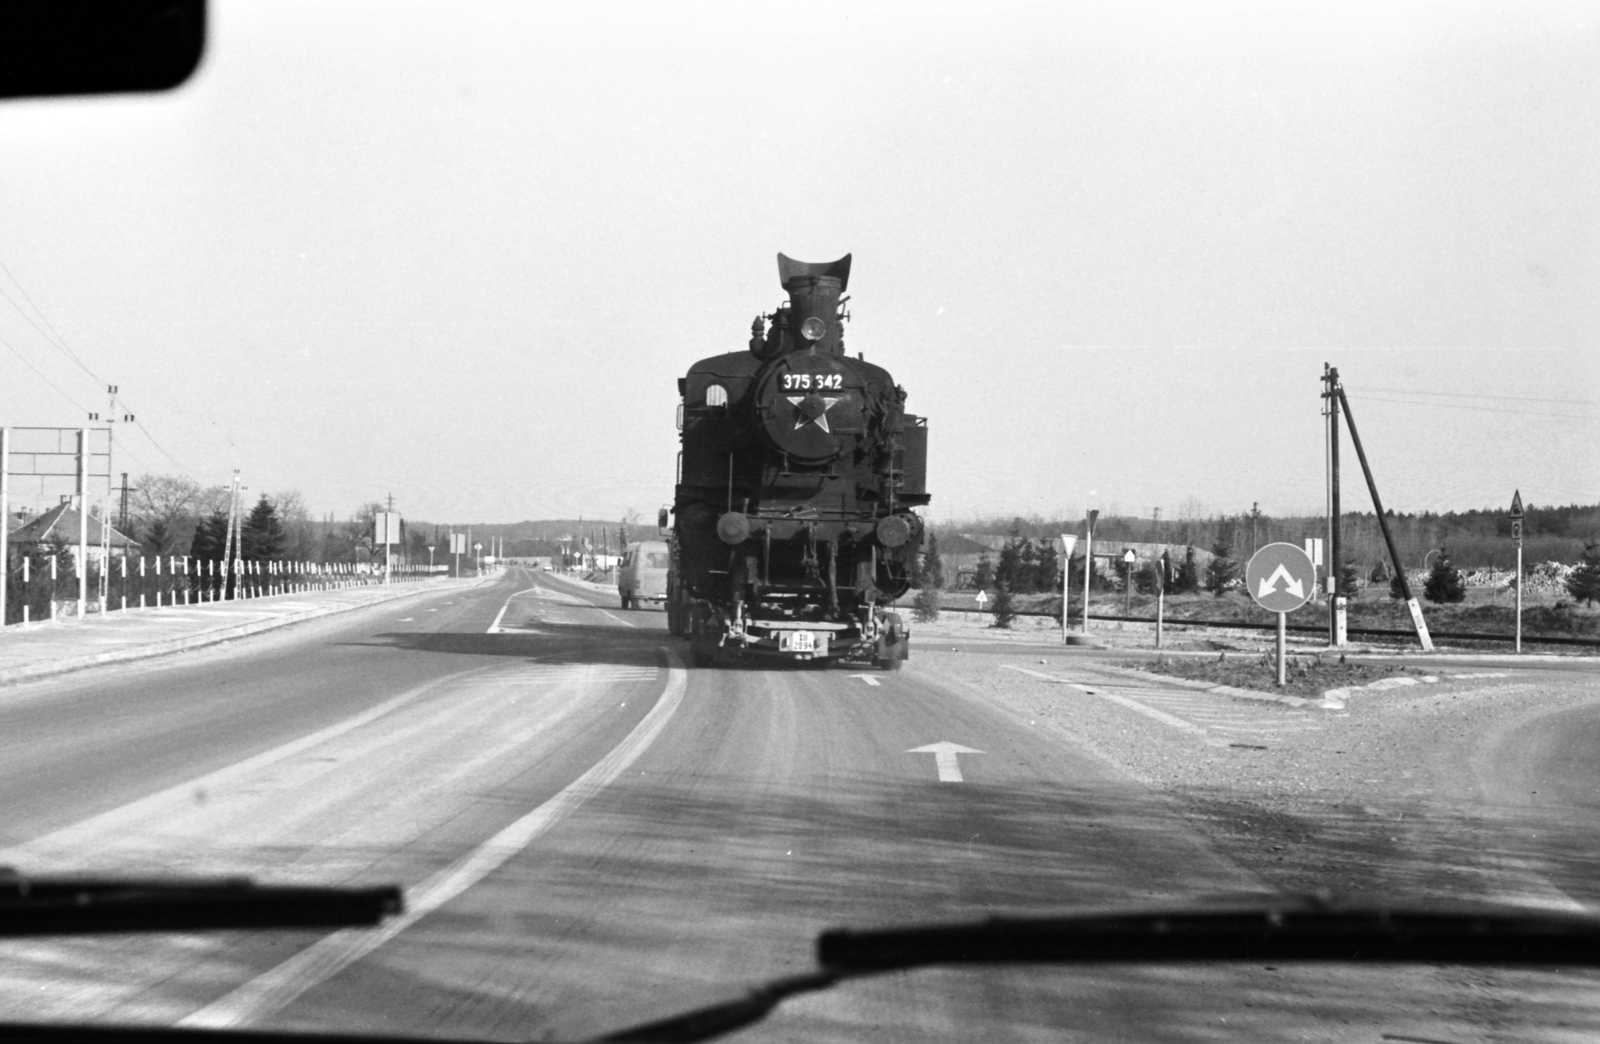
<point>1088,564</point>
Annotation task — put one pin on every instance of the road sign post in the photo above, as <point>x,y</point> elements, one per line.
<point>1068,542</point>
<point>1127,581</point>
<point>1161,594</point>
<point>1088,564</point>
<point>1516,534</point>
<point>1280,577</point>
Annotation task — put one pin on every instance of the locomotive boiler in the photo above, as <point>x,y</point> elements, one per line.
<point>799,471</point>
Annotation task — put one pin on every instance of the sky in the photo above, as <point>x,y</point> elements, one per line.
<point>460,253</point>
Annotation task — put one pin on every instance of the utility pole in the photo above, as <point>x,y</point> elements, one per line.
<point>122,513</point>
<point>1330,378</point>
<point>1255,517</point>
<point>1383,522</point>
<point>1088,564</point>
<point>227,545</point>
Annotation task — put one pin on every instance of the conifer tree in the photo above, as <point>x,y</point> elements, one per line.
<point>1221,568</point>
<point>261,536</point>
<point>932,564</point>
<point>1004,608</point>
<point>925,606</point>
<point>1444,582</point>
<point>1008,572</point>
<point>1584,583</point>
<point>1188,579</point>
<point>1028,569</point>
<point>210,536</point>
<point>1048,568</point>
<point>984,578</point>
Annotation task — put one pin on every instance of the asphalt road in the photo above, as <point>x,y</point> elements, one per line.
<point>592,835</point>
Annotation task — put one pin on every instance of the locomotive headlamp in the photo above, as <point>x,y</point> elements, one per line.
<point>813,329</point>
<point>893,531</point>
<point>733,528</point>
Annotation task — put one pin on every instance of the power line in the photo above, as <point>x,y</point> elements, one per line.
<point>140,425</point>
<point>1469,395</point>
<point>1480,409</point>
<point>81,408</point>
<point>57,342</point>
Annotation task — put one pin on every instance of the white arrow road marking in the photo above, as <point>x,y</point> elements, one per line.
<point>1290,584</point>
<point>944,756</point>
<point>869,679</point>
<point>325,958</point>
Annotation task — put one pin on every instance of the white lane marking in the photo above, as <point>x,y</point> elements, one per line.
<point>944,756</point>
<point>495,628</point>
<point>405,619</point>
<point>1122,701</point>
<point>619,619</point>
<point>89,831</point>
<point>322,960</point>
<point>1048,677</point>
<point>869,679</point>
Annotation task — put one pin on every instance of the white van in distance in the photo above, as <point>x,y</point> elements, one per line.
<point>642,575</point>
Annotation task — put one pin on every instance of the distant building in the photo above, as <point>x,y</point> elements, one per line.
<point>60,525</point>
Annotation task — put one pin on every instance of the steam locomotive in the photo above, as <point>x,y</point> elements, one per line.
<point>799,469</point>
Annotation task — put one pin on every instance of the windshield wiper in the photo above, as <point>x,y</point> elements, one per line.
<point>32,906</point>
<point>1300,929</point>
<point>1306,931</point>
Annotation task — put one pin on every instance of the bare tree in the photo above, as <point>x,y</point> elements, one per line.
<point>299,531</point>
<point>162,511</point>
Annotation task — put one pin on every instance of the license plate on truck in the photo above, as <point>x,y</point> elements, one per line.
<point>797,641</point>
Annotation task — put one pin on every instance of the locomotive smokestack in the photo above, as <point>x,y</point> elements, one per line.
<point>814,291</point>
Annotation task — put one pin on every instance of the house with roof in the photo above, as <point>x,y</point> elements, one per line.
<point>60,525</point>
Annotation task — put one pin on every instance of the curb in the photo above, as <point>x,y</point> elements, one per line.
<point>49,668</point>
<point>1325,703</point>
<point>1398,681</point>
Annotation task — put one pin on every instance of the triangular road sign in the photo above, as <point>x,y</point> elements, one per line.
<point>1516,504</point>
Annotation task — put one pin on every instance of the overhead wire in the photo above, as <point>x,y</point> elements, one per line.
<point>53,336</point>
<point>1481,409</point>
<point>54,387</point>
<point>55,340</point>
<point>1473,395</point>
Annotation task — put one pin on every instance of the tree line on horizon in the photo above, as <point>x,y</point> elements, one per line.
<point>1479,538</point>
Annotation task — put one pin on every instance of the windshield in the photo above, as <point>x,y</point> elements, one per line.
<point>1105,500</point>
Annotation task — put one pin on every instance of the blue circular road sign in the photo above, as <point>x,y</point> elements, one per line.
<point>1280,577</point>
